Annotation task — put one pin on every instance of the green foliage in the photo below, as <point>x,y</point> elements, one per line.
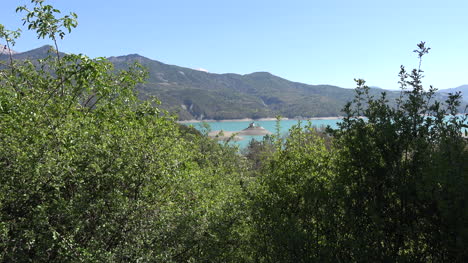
<point>389,186</point>
<point>9,35</point>
<point>291,202</point>
<point>258,152</point>
<point>91,174</point>
<point>399,175</point>
<point>43,20</point>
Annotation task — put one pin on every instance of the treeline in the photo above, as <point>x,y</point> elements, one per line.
<point>89,173</point>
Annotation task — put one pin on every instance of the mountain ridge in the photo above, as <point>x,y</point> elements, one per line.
<point>253,95</point>
<point>197,94</point>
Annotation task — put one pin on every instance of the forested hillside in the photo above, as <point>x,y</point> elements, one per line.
<point>91,173</point>
<point>194,94</point>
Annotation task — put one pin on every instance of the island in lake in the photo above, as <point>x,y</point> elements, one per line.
<point>252,130</point>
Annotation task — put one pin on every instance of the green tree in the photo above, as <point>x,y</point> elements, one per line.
<point>388,186</point>
<point>88,173</point>
<point>400,172</point>
<point>290,204</point>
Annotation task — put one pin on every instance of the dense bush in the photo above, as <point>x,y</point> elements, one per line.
<point>391,188</point>
<point>88,173</point>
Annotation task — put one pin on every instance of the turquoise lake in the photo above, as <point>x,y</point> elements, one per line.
<point>269,125</point>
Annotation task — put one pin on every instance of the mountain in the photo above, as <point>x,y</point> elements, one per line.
<point>196,94</point>
<point>463,89</point>
<point>4,50</point>
<point>33,54</point>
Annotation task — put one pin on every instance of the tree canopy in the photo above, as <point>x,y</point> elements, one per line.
<point>90,173</point>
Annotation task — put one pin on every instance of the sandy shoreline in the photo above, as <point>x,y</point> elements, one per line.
<point>260,119</point>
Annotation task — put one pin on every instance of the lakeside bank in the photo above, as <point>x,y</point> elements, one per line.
<point>261,119</point>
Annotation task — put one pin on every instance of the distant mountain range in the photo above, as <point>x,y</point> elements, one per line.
<point>31,54</point>
<point>196,94</point>
<point>4,50</point>
<point>463,89</point>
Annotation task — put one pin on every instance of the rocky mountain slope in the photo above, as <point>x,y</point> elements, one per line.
<point>196,94</point>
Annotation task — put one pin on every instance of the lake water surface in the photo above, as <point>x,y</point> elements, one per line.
<point>270,125</point>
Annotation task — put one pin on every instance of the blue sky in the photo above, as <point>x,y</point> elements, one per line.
<point>314,42</point>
